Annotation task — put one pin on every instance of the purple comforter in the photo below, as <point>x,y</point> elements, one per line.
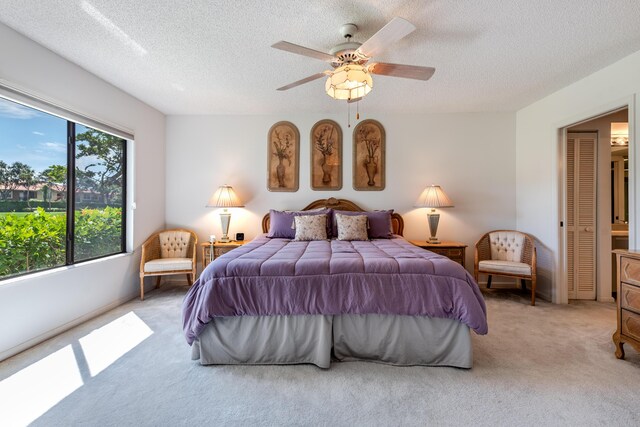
<point>284,277</point>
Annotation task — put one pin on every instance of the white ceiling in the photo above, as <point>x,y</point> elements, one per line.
<point>214,57</point>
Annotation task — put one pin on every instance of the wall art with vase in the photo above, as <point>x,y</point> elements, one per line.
<point>326,156</point>
<point>284,154</point>
<point>369,156</point>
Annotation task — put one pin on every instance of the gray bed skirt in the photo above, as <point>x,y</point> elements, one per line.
<point>283,340</point>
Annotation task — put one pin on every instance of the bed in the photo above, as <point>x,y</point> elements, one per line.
<point>279,301</point>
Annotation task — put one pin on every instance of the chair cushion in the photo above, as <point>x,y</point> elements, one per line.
<point>174,244</point>
<point>509,267</point>
<point>167,264</point>
<point>506,245</point>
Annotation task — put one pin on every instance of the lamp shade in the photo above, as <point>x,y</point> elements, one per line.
<point>350,81</point>
<point>434,197</point>
<point>224,197</point>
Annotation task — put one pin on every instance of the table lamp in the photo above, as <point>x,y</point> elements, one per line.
<point>225,197</point>
<point>433,197</point>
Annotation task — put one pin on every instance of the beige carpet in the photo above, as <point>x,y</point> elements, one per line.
<point>543,365</point>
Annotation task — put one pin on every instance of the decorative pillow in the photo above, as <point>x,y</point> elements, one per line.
<point>352,227</point>
<point>311,227</point>
<point>379,226</point>
<point>326,212</point>
<point>281,223</point>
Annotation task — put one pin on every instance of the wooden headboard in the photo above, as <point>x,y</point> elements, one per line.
<point>343,205</point>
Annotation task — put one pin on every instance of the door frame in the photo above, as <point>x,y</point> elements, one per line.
<point>560,293</point>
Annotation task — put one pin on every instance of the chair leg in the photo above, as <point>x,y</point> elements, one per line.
<point>189,279</point>
<point>488,281</point>
<point>533,291</point>
<point>523,284</point>
<point>141,287</point>
<point>158,281</point>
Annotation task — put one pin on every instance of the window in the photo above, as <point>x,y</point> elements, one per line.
<point>62,191</point>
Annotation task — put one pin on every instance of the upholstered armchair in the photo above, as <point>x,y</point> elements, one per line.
<point>507,253</point>
<point>168,252</point>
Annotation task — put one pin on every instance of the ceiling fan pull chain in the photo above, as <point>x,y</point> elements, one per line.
<point>348,115</point>
<point>358,110</point>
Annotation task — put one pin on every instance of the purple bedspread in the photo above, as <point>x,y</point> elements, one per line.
<point>285,277</point>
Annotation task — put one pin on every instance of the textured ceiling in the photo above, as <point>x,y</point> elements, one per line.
<point>214,57</point>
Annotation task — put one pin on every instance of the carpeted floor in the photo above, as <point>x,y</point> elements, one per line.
<point>543,365</point>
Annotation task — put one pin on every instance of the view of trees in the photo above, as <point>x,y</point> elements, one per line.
<point>33,229</point>
<point>104,174</point>
<point>15,175</point>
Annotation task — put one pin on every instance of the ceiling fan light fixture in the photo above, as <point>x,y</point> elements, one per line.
<point>349,81</point>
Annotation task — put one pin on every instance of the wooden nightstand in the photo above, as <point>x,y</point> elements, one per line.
<point>219,248</point>
<point>452,250</point>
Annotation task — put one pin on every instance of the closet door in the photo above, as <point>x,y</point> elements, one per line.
<point>581,215</point>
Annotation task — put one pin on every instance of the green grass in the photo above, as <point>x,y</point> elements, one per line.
<point>2,214</point>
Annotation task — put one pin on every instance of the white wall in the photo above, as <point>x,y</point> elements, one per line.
<point>34,307</point>
<point>470,155</point>
<point>538,159</point>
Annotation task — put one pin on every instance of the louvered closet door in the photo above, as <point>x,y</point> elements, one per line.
<point>581,215</point>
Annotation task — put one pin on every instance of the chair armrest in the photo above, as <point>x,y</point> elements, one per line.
<point>529,254</point>
<point>482,249</point>
<point>150,250</point>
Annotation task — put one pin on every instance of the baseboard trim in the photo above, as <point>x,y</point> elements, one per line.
<point>63,328</point>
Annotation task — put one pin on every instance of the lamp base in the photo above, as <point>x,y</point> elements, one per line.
<point>225,218</point>
<point>434,240</point>
<point>433,219</point>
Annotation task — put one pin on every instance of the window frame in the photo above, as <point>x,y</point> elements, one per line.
<point>71,122</point>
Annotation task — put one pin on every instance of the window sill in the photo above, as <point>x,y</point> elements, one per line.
<point>56,270</point>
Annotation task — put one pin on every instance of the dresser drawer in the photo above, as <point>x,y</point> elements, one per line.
<point>630,297</point>
<point>217,252</point>
<point>630,270</point>
<point>630,324</point>
<point>444,252</point>
<point>447,252</point>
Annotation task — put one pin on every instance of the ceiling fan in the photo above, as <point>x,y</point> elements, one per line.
<point>351,77</point>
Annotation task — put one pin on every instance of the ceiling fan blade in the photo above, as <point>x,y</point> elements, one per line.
<point>304,51</point>
<point>303,81</point>
<point>396,29</point>
<point>401,70</point>
<point>352,100</point>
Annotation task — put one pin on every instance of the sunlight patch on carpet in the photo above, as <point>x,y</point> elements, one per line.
<point>34,390</point>
<point>107,344</point>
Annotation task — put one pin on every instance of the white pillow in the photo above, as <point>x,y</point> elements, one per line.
<point>352,227</point>
<point>310,227</point>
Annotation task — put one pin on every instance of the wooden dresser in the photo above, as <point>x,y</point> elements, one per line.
<point>628,286</point>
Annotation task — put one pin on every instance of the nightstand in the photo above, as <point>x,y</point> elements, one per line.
<point>219,249</point>
<point>453,250</point>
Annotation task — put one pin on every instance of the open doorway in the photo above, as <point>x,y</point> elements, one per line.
<point>596,203</point>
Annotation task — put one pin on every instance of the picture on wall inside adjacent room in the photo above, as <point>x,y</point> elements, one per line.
<point>326,156</point>
<point>284,155</point>
<point>368,156</point>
